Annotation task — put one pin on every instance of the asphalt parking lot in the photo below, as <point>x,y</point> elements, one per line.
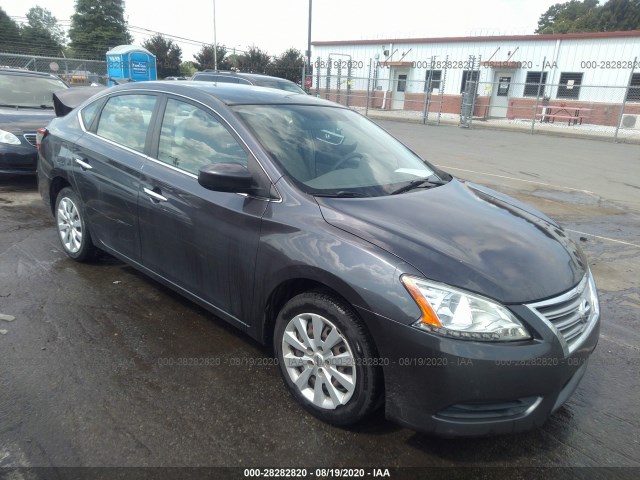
<point>94,368</point>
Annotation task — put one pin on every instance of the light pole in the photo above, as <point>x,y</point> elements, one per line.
<point>309,40</point>
<point>215,43</point>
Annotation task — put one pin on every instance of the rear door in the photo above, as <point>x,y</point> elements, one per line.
<point>202,241</point>
<point>107,167</point>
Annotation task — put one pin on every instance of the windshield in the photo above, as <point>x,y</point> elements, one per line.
<point>333,151</point>
<point>27,91</point>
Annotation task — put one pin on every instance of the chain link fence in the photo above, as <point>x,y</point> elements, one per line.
<point>74,71</point>
<point>435,91</point>
<point>427,92</point>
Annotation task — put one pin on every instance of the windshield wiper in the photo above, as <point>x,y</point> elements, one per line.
<point>32,107</point>
<point>341,194</point>
<point>427,182</point>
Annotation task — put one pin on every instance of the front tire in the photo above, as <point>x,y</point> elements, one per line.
<point>72,227</point>
<point>327,358</point>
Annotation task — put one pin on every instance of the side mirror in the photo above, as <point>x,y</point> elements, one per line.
<point>226,177</point>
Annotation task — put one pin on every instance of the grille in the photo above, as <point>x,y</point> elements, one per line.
<point>31,138</point>
<point>571,313</point>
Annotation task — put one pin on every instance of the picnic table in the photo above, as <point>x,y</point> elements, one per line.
<point>573,115</point>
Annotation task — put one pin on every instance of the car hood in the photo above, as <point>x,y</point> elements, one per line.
<point>467,236</point>
<point>18,120</point>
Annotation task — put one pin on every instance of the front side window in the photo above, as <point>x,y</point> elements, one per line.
<point>125,120</point>
<point>191,138</point>
<point>333,151</point>
<point>28,91</point>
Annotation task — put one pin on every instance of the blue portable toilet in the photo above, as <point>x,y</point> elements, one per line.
<point>130,63</point>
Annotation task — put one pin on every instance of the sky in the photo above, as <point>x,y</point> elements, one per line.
<point>276,25</point>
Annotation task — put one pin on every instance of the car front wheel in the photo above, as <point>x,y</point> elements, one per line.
<point>327,358</point>
<point>72,227</point>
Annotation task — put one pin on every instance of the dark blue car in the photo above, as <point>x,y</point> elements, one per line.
<point>378,278</point>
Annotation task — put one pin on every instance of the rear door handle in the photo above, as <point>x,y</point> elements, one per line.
<point>155,195</point>
<point>83,164</point>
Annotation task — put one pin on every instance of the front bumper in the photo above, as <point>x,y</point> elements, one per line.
<point>452,388</point>
<point>18,159</point>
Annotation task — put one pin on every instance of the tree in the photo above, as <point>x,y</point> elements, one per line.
<point>254,61</point>
<point>588,16</point>
<point>10,38</point>
<point>42,19</point>
<point>168,55</point>
<point>187,68</point>
<point>204,58</point>
<point>288,65</point>
<point>619,15</point>
<point>42,35</point>
<point>98,26</point>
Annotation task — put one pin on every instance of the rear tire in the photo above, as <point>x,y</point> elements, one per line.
<point>72,227</point>
<point>327,358</point>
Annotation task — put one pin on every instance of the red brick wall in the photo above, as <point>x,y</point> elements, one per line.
<point>357,98</point>
<point>596,113</point>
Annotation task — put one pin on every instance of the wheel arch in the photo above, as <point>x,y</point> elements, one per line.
<point>57,184</point>
<point>290,286</point>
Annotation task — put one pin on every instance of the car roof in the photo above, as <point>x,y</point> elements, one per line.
<point>255,76</point>
<point>230,94</point>
<point>19,71</point>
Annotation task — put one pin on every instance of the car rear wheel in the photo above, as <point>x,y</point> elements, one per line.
<point>72,227</point>
<point>327,358</point>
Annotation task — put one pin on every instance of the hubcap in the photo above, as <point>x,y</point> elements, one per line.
<point>319,360</point>
<point>69,225</point>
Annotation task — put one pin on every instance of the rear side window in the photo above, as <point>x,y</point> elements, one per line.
<point>88,113</point>
<point>125,120</point>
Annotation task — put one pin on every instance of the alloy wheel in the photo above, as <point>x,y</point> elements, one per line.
<point>319,360</point>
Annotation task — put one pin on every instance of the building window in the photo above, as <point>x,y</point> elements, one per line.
<point>402,83</point>
<point>633,94</point>
<point>469,76</point>
<point>435,76</point>
<point>569,85</point>
<point>534,81</point>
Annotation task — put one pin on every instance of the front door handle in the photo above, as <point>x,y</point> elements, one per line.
<point>155,195</point>
<point>83,164</point>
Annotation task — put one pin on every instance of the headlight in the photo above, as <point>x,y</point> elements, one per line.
<point>459,314</point>
<point>8,137</point>
<point>593,297</point>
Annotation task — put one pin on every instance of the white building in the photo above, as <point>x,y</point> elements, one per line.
<point>593,72</point>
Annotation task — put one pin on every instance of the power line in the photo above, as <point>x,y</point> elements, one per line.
<point>135,29</point>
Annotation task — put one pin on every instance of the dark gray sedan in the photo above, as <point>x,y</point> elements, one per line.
<point>25,106</point>
<point>378,278</point>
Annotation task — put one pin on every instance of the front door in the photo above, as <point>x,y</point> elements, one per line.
<point>500,94</point>
<point>399,87</point>
<point>204,242</point>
